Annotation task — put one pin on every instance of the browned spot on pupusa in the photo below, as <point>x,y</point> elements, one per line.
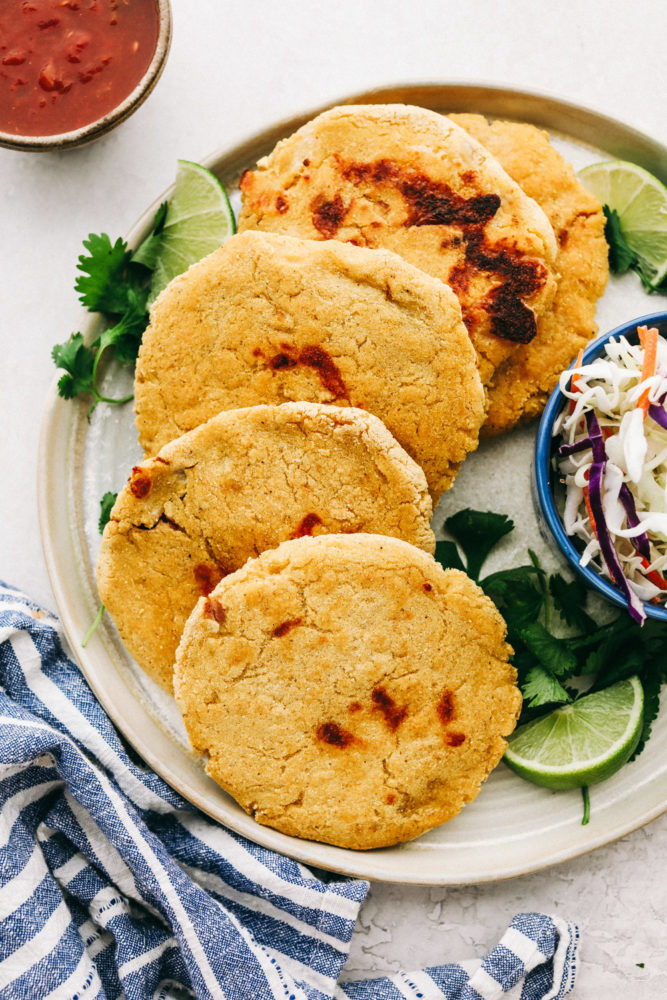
<point>435,203</point>
<point>284,627</point>
<point>355,706</point>
<point>213,609</point>
<point>327,215</point>
<point>427,587</point>
<point>430,203</point>
<point>445,707</point>
<point>206,578</point>
<point>311,356</point>
<point>520,276</point>
<point>306,526</point>
<point>282,204</point>
<point>329,373</point>
<point>246,181</point>
<point>333,735</point>
<point>390,799</point>
<point>454,739</point>
<point>140,482</point>
<point>282,360</point>
<point>393,713</point>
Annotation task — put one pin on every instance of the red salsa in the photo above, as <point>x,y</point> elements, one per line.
<point>66,63</point>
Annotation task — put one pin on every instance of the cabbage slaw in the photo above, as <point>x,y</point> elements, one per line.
<point>612,461</point>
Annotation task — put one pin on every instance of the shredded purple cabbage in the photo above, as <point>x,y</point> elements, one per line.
<point>596,439</point>
<point>640,542</point>
<point>635,606</point>
<point>572,449</point>
<point>659,414</point>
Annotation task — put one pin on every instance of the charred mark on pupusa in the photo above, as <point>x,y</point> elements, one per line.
<point>393,714</point>
<point>284,627</point>
<point>334,735</point>
<point>521,277</point>
<point>206,578</point>
<point>315,357</point>
<point>430,202</point>
<point>327,214</point>
<point>445,707</point>
<point>306,526</point>
<point>454,739</point>
<point>435,203</point>
<point>140,483</point>
<point>214,610</point>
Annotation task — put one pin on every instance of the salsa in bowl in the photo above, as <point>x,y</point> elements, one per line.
<point>71,70</point>
<point>600,466</point>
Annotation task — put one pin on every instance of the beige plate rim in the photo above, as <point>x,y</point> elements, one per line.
<point>59,461</point>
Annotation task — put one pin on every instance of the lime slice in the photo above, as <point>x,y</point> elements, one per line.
<point>199,219</point>
<point>582,743</point>
<point>641,202</point>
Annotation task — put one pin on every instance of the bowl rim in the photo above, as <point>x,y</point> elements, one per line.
<point>542,470</point>
<point>129,104</point>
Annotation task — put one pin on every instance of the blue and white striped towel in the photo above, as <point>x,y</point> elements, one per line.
<point>111,885</point>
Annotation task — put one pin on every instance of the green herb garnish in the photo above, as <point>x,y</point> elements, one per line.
<point>622,258</point>
<point>116,283</point>
<point>554,636</point>
<point>106,503</point>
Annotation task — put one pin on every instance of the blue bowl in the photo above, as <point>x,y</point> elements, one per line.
<point>544,478</point>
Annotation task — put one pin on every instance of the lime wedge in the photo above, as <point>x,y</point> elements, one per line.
<point>641,202</point>
<point>199,219</point>
<point>582,743</point>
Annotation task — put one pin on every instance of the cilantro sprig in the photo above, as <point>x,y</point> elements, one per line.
<point>622,258</point>
<point>555,636</point>
<point>114,281</point>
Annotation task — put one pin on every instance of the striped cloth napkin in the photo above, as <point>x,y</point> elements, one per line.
<point>112,885</point>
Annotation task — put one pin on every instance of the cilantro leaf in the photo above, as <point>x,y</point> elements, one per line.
<point>106,503</point>
<point>569,599</point>
<point>78,361</point>
<point>651,686</point>
<point>514,592</point>
<point>621,257</point>
<point>115,282</point>
<point>148,252</point>
<point>542,688</point>
<point>101,287</point>
<point>553,654</point>
<point>477,532</point>
<point>448,556</point>
<point>126,335</point>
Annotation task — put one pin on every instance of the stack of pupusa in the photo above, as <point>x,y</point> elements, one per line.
<point>273,317</point>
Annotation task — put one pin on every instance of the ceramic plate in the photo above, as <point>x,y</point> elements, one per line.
<point>512,828</point>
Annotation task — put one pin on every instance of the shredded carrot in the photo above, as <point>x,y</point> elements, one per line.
<point>575,377</point>
<point>655,577</point>
<point>590,511</point>
<point>649,341</point>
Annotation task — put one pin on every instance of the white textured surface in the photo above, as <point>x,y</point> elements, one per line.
<point>226,79</point>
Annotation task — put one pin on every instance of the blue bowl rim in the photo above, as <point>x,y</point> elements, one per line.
<point>542,467</point>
